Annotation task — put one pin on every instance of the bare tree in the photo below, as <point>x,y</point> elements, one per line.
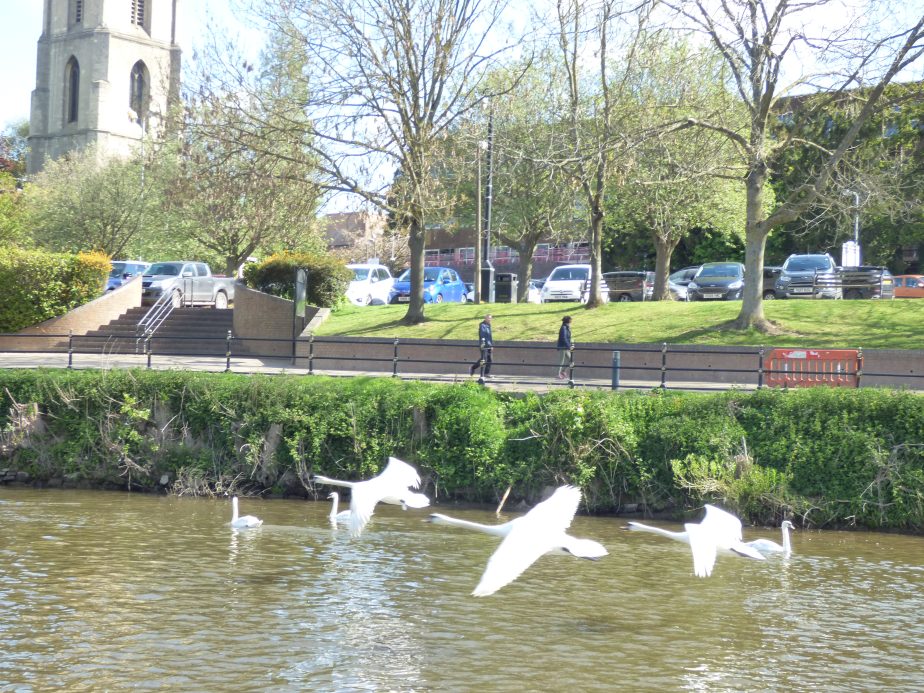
<point>760,40</point>
<point>381,85</point>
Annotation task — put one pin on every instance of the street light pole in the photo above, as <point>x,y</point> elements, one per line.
<point>487,277</point>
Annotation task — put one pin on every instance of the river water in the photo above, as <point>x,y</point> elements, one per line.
<point>109,591</point>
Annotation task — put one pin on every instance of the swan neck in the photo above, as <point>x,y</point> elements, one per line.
<point>640,527</point>
<point>787,546</point>
<point>497,530</point>
<point>333,482</point>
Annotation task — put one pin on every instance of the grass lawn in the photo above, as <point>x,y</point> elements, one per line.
<point>897,324</point>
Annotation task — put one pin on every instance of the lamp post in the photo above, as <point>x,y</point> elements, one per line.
<point>856,221</point>
<point>487,271</point>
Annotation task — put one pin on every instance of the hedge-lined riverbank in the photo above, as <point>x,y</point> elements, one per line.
<point>827,457</point>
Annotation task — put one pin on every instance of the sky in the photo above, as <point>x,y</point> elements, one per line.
<point>21,26</point>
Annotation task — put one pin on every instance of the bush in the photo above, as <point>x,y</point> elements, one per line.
<point>328,278</point>
<point>825,457</point>
<point>36,285</point>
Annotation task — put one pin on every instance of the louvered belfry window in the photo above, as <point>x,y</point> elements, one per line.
<point>78,11</point>
<point>138,7</point>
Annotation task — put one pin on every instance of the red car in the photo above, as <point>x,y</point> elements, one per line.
<point>909,286</point>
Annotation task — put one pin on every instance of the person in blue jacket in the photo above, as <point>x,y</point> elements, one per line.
<point>486,342</point>
<point>564,347</point>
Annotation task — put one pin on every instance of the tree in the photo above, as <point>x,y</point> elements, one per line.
<point>13,224</point>
<point>759,39</point>
<point>14,144</point>
<point>383,82</point>
<point>77,203</point>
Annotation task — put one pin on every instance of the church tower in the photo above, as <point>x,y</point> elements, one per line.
<point>107,71</point>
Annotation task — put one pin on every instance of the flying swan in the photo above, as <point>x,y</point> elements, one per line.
<point>335,517</point>
<point>391,486</point>
<point>718,531</point>
<point>526,538</point>
<point>768,546</point>
<point>242,522</point>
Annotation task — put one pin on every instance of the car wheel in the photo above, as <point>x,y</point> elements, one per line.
<point>769,295</point>
<point>853,294</point>
<point>438,298</point>
<point>221,301</point>
<point>625,298</point>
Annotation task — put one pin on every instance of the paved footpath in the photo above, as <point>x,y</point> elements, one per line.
<point>275,366</point>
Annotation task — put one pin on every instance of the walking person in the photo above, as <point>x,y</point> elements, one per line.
<point>486,341</point>
<point>564,346</point>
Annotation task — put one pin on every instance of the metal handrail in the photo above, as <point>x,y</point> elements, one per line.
<point>154,318</point>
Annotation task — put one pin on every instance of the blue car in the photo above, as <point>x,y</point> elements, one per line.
<point>440,284</point>
<point>123,270</point>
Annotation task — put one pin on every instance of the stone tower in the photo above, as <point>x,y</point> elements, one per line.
<point>106,74</point>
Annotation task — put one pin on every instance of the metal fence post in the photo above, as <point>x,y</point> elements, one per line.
<point>664,365</point>
<point>571,366</point>
<point>614,378</point>
<point>394,361</point>
<point>228,352</point>
<point>760,368</point>
<point>859,364</point>
<point>70,348</point>
<point>147,349</point>
<point>311,354</point>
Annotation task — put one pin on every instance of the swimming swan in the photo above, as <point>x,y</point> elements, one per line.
<point>336,517</point>
<point>526,538</point>
<point>242,522</point>
<point>391,486</point>
<point>718,531</point>
<point>768,546</point>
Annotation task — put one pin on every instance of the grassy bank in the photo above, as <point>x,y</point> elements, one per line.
<point>868,324</point>
<point>823,457</point>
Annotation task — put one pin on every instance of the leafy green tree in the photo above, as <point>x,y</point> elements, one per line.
<point>14,230</point>
<point>14,146</point>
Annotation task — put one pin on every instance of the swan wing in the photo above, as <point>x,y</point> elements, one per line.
<point>743,549</point>
<point>362,504</point>
<point>246,522</point>
<point>765,545</point>
<point>557,511</point>
<point>703,546</point>
<point>399,475</point>
<point>584,548</point>
<point>724,526</point>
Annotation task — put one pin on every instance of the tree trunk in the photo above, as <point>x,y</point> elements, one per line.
<point>416,244</point>
<point>231,265</point>
<point>595,299</point>
<point>664,249</point>
<point>752,306</point>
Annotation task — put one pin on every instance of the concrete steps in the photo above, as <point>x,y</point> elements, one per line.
<point>195,331</point>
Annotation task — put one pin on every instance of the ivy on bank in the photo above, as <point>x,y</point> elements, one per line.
<point>825,457</point>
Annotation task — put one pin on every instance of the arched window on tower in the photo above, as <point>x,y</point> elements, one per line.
<point>139,90</point>
<point>71,90</point>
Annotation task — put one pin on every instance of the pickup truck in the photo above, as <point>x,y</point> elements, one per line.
<point>867,282</point>
<point>189,283</point>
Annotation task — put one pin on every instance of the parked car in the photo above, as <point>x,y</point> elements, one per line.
<point>189,283</point>
<point>771,278</point>
<point>722,281</point>
<point>678,281</point>
<point>866,282</point>
<point>629,285</point>
<point>440,284</point>
<point>371,283</point>
<point>570,283</point>
<point>809,276</point>
<point>123,270</point>
<point>469,292</point>
<point>909,286</point>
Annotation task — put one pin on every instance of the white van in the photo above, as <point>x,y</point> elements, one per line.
<point>570,283</point>
<point>371,284</point>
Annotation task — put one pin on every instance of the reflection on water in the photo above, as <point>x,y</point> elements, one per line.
<point>107,590</point>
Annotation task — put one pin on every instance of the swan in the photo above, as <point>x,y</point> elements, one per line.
<point>391,486</point>
<point>718,531</point>
<point>768,546</point>
<point>526,538</point>
<point>336,517</point>
<point>676,536</point>
<point>244,521</point>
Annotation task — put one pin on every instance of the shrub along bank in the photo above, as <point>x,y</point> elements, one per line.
<point>823,457</point>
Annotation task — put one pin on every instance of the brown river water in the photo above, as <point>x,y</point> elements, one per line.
<point>111,591</point>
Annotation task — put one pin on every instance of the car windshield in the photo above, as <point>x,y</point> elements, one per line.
<point>565,273</point>
<point>807,264</point>
<point>360,274</point>
<point>431,274</point>
<point>729,270</point>
<point>118,268</point>
<point>164,269</point>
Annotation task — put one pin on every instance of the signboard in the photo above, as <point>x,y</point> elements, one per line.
<point>850,254</point>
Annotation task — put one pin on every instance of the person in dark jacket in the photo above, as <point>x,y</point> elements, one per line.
<point>564,346</point>
<point>486,341</point>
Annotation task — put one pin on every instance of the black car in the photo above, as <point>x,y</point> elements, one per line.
<point>771,277</point>
<point>717,281</point>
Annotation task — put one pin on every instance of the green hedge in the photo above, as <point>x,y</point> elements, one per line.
<point>36,285</point>
<point>824,457</point>
<point>328,277</point>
